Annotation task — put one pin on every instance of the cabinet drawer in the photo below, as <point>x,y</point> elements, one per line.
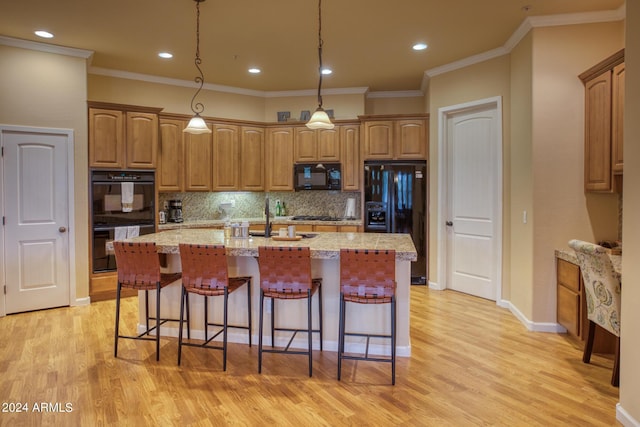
<point>569,275</point>
<point>569,310</point>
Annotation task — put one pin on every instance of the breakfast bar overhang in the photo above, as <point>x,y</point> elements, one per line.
<point>325,248</point>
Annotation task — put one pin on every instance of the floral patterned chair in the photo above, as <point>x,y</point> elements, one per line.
<point>602,287</point>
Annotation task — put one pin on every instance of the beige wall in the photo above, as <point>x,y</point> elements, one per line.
<point>47,90</point>
<point>480,81</point>
<point>253,107</point>
<point>405,105</point>
<point>630,322</point>
<point>562,211</point>
<point>521,178</point>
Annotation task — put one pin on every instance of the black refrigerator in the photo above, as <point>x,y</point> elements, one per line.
<point>395,194</point>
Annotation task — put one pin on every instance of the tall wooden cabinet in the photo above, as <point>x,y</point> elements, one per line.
<point>350,157</point>
<point>197,162</point>
<point>170,175</point>
<point>252,157</point>
<point>226,157</point>
<point>604,102</point>
<point>395,137</point>
<point>123,136</point>
<point>280,158</point>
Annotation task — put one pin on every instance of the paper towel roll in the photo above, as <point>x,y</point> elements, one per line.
<point>350,209</point>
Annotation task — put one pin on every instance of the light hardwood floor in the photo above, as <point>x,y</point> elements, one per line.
<point>472,364</point>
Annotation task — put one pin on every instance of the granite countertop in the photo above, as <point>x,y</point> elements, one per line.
<point>325,245</point>
<point>570,256</point>
<point>285,220</point>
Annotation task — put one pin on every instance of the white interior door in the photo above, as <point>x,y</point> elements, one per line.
<point>473,199</point>
<point>36,219</point>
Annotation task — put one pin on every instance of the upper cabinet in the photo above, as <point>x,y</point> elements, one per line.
<point>122,136</point>
<point>350,155</point>
<point>279,152</point>
<point>604,102</point>
<point>395,137</point>
<point>226,157</point>
<point>252,158</point>
<point>170,176</point>
<point>316,145</point>
<point>197,161</point>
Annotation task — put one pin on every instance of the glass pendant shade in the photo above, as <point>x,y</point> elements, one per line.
<point>320,120</point>
<point>197,125</point>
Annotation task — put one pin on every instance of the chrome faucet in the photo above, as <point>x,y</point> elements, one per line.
<point>267,224</point>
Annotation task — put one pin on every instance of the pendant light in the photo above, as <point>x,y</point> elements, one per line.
<point>320,118</point>
<point>197,124</point>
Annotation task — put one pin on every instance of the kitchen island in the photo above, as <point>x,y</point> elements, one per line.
<point>325,258</point>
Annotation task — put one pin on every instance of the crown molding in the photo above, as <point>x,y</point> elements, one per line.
<point>221,88</point>
<point>524,28</point>
<point>45,47</point>
<point>396,94</point>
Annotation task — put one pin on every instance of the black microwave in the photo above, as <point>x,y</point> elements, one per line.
<point>317,176</point>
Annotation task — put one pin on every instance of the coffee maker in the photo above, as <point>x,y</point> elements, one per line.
<point>175,211</point>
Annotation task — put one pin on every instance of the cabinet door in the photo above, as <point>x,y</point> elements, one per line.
<point>197,155</point>
<point>142,140</point>
<point>378,140</point>
<point>252,158</point>
<point>617,118</point>
<point>226,157</point>
<point>280,159</point>
<point>328,141</point>
<point>171,155</point>
<point>411,139</point>
<point>304,145</point>
<point>569,310</point>
<point>597,152</point>
<point>106,138</point>
<point>350,154</point>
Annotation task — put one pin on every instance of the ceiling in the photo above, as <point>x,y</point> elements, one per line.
<point>367,43</point>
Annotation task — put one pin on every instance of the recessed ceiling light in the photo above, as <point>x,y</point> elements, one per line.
<point>43,34</point>
<point>255,70</point>
<point>165,55</point>
<point>419,46</point>
<point>326,71</point>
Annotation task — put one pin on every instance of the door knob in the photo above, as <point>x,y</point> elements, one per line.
<point>62,229</point>
<point>449,223</point>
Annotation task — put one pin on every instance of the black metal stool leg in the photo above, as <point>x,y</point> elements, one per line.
<point>341,334</point>
<point>182,302</point>
<point>309,328</point>
<point>393,340</point>
<point>224,331</point>
<point>115,346</point>
<point>260,331</point>
<point>320,315</point>
<point>249,308</point>
<point>158,322</point>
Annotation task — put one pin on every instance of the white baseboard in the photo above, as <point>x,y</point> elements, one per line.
<point>533,326</point>
<point>624,418</point>
<point>81,301</point>
<point>435,286</point>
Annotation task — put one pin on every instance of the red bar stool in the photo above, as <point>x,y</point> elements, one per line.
<point>205,272</point>
<point>367,277</point>
<point>285,274</point>
<point>139,268</point>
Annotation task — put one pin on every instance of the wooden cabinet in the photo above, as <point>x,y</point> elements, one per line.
<point>394,138</point>
<point>226,157</point>
<point>252,158</point>
<point>350,155</point>
<point>122,136</point>
<point>197,162</point>
<point>569,292</point>
<point>316,145</point>
<point>170,173</point>
<point>106,138</point>
<point>279,151</point>
<point>571,307</point>
<point>617,119</point>
<point>604,101</point>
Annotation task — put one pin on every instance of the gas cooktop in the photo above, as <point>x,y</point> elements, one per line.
<point>315,218</point>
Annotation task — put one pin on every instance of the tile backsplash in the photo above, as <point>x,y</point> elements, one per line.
<point>201,206</point>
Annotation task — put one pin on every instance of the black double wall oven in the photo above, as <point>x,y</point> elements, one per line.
<point>122,205</point>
